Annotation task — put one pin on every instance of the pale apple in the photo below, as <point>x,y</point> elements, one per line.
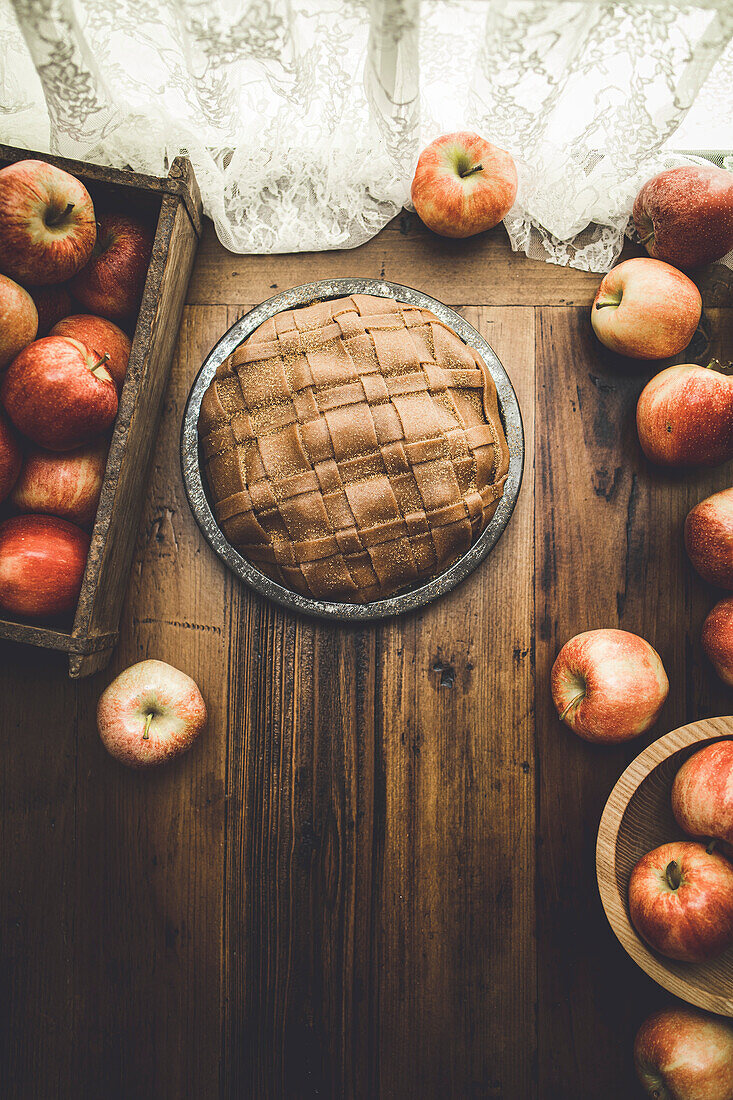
<point>702,793</point>
<point>42,562</point>
<point>709,538</point>
<point>685,215</point>
<point>717,639</point>
<point>685,417</point>
<point>11,457</point>
<point>47,223</point>
<point>646,309</point>
<point>683,1054</point>
<point>18,320</point>
<point>608,685</point>
<point>463,185</point>
<point>59,393</point>
<point>681,901</point>
<point>66,485</point>
<point>103,337</point>
<point>149,714</point>
<point>112,282</point>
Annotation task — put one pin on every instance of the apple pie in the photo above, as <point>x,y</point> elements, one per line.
<point>353,447</point>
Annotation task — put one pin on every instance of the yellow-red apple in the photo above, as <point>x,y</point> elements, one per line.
<point>47,223</point>
<point>608,685</point>
<point>149,714</point>
<point>103,337</point>
<point>646,309</point>
<point>709,538</point>
<point>717,639</point>
<point>685,417</point>
<point>11,457</point>
<point>685,215</point>
<point>42,562</point>
<point>463,185</point>
<point>683,1054</point>
<point>702,793</point>
<point>59,393</point>
<point>18,320</point>
<point>66,485</point>
<point>112,282</point>
<point>681,901</point>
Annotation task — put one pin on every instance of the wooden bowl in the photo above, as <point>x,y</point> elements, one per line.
<point>637,818</point>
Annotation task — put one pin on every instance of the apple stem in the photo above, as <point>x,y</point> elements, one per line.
<point>471,171</point>
<point>721,368</point>
<point>146,731</point>
<point>602,302</point>
<point>573,703</point>
<point>100,362</point>
<point>673,875</point>
<point>711,846</point>
<point>54,219</point>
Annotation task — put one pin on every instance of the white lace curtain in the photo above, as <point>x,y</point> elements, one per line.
<point>304,118</point>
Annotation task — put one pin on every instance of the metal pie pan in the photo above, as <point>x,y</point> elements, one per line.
<point>411,598</point>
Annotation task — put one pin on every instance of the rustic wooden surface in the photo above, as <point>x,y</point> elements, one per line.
<point>374,875</point>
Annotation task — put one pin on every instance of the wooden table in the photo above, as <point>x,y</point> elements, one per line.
<point>374,875</point>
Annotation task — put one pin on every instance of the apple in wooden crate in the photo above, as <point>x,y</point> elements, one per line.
<point>683,1054</point>
<point>42,562</point>
<point>11,457</point>
<point>149,714</point>
<point>717,639</point>
<point>646,309</point>
<point>47,223</point>
<point>685,215</point>
<point>18,320</point>
<point>463,185</point>
<point>709,538</point>
<point>66,485</point>
<point>684,417</point>
<point>59,393</point>
<point>608,685</point>
<point>681,901</point>
<point>112,282</point>
<point>702,793</point>
<point>103,337</point>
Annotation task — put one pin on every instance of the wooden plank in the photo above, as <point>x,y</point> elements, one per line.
<point>150,846</point>
<point>608,552</point>
<point>454,961</point>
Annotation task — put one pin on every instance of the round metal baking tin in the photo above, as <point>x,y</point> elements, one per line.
<point>411,598</point>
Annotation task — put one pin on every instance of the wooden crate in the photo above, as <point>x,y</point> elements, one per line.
<point>174,203</point>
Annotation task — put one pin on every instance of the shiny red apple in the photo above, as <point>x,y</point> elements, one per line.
<point>59,393</point>
<point>709,538</point>
<point>18,320</point>
<point>702,793</point>
<point>112,282</point>
<point>685,417</point>
<point>608,685</point>
<point>47,223</point>
<point>681,901</point>
<point>683,1054</point>
<point>717,639</point>
<point>463,185</point>
<point>53,303</point>
<point>103,337</point>
<point>646,309</point>
<point>685,215</point>
<point>11,457</point>
<point>42,562</point>
<point>151,713</point>
<point>66,485</point>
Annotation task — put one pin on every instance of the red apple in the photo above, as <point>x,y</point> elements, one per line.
<point>683,1054</point>
<point>717,639</point>
<point>709,538</point>
<point>685,417</point>
<point>463,185</point>
<point>42,562</point>
<point>66,485</point>
<point>646,309</point>
<point>149,714</point>
<point>59,393</point>
<point>608,685</point>
<point>18,320</point>
<point>685,215</point>
<point>11,457</point>
<point>47,224</point>
<point>702,793</point>
<point>681,901</point>
<point>103,337</point>
<point>112,282</point>
<point>53,303</point>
